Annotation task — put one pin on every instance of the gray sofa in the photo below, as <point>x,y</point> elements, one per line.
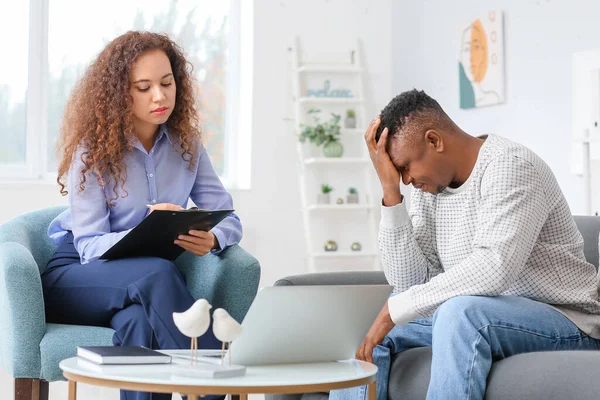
<point>560,375</point>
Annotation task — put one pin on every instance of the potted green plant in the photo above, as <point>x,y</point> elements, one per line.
<point>352,197</point>
<point>350,121</point>
<point>323,197</point>
<point>323,133</point>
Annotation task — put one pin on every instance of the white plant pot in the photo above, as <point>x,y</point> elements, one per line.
<point>350,123</point>
<point>323,198</point>
<point>352,199</point>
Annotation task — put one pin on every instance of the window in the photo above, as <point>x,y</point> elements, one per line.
<point>35,89</point>
<point>13,88</point>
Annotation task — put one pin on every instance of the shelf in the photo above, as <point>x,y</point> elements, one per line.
<point>343,131</point>
<point>330,68</point>
<point>343,254</point>
<point>330,100</point>
<point>339,207</point>
<point>346,131</point>
<point>336,160</point>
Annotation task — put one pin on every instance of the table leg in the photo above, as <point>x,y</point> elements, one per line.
<point>243,396</point>
<point>192,397</point>
<point>72,390</point>
<point>373,390</point>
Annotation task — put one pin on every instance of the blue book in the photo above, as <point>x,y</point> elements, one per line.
<point>122,355</point>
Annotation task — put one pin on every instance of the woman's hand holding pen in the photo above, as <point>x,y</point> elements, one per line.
<point>164,206</point>
<point>198,242</point>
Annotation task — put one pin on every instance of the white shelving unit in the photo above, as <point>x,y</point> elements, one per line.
<point>326,101</point>
<point>340,207</point>
<point>344,254</point>
<point>329,68</point>
<point>344,223</point>
<point>335,161</point>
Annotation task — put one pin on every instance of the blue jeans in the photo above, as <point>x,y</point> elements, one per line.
<point>467,334</point>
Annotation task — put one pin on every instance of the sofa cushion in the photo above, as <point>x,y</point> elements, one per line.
<point>409,374</point>
<point>555,375</point>
<point>589,227</point>
<point>335,278</point>
<point>546,376</point>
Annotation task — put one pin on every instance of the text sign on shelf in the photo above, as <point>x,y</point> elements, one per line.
<point>327,92</point>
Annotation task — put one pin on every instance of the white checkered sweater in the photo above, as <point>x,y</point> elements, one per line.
<point>506,231</point>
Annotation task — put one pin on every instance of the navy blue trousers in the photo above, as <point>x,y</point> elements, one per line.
<point>136,297</point>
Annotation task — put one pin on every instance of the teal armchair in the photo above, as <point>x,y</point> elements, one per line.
<point>30,348</point>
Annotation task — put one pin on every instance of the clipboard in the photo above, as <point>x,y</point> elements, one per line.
<point>154,236</point>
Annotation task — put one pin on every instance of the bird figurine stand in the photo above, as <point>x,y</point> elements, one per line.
<point>194,323</point>
<point>226,329</point>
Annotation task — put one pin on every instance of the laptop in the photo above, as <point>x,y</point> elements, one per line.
<point>305,324</point>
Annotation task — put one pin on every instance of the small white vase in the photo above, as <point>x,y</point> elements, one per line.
<point>323,198</point>
<point>350,123</point>
<point>352,199</point>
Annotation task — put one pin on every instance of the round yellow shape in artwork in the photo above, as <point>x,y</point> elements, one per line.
<point>479,51</point>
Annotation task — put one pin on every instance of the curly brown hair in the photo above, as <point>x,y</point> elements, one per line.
<point>99,114</point>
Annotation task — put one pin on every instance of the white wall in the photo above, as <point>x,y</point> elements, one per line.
<point>540,39</point>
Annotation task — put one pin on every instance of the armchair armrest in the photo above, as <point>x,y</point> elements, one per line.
<point>228,280</point>
<point>335,278</point>
<point>21,311</point>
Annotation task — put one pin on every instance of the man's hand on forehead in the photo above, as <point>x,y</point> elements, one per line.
<point>386,171</point>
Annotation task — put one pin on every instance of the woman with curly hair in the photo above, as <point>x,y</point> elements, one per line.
<point>131,138</point>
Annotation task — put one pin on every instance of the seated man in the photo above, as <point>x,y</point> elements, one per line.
<point>488,264</point>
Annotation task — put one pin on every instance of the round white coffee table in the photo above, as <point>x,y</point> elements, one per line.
<point>163,378</point>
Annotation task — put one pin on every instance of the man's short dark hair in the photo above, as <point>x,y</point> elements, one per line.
<point>407,107</point>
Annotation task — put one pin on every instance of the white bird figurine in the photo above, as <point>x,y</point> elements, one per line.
<point>226,329</point>
<point>193,323</point>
